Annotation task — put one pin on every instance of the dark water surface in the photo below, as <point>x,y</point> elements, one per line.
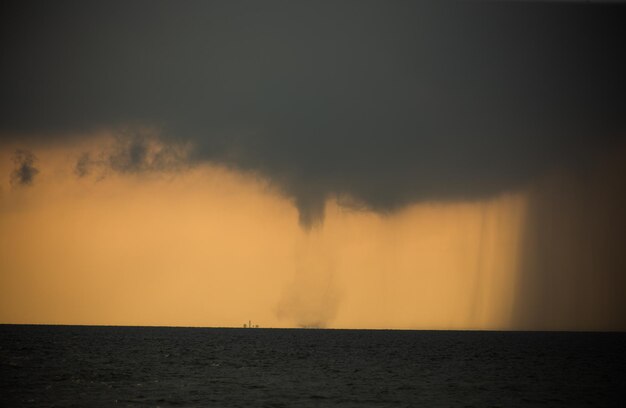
<point>152,366</point>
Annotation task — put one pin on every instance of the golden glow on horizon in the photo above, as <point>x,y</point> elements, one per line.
<point>211,247</point>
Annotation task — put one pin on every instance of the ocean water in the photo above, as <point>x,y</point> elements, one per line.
<point>74,366</point>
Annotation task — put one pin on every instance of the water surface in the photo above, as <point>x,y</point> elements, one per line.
<point>155,366</point>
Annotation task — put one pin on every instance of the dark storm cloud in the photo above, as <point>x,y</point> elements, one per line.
<point>130,156</point>
<point>133,151</point>
<point>83,165</point>
<point>136,151</point>
<point>25,171</point>
<point>384,102</point>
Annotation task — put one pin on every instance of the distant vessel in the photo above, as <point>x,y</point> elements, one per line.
<point>250,326</point>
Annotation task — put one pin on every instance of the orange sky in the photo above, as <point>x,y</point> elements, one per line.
<point>207,246</point>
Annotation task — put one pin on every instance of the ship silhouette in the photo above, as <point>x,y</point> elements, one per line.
<point>250,326</point>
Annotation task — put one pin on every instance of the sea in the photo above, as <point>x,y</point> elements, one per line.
<point>91,366</point>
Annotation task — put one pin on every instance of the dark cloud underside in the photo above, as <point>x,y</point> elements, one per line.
<point>24,171</point>
<point>386,102</point>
